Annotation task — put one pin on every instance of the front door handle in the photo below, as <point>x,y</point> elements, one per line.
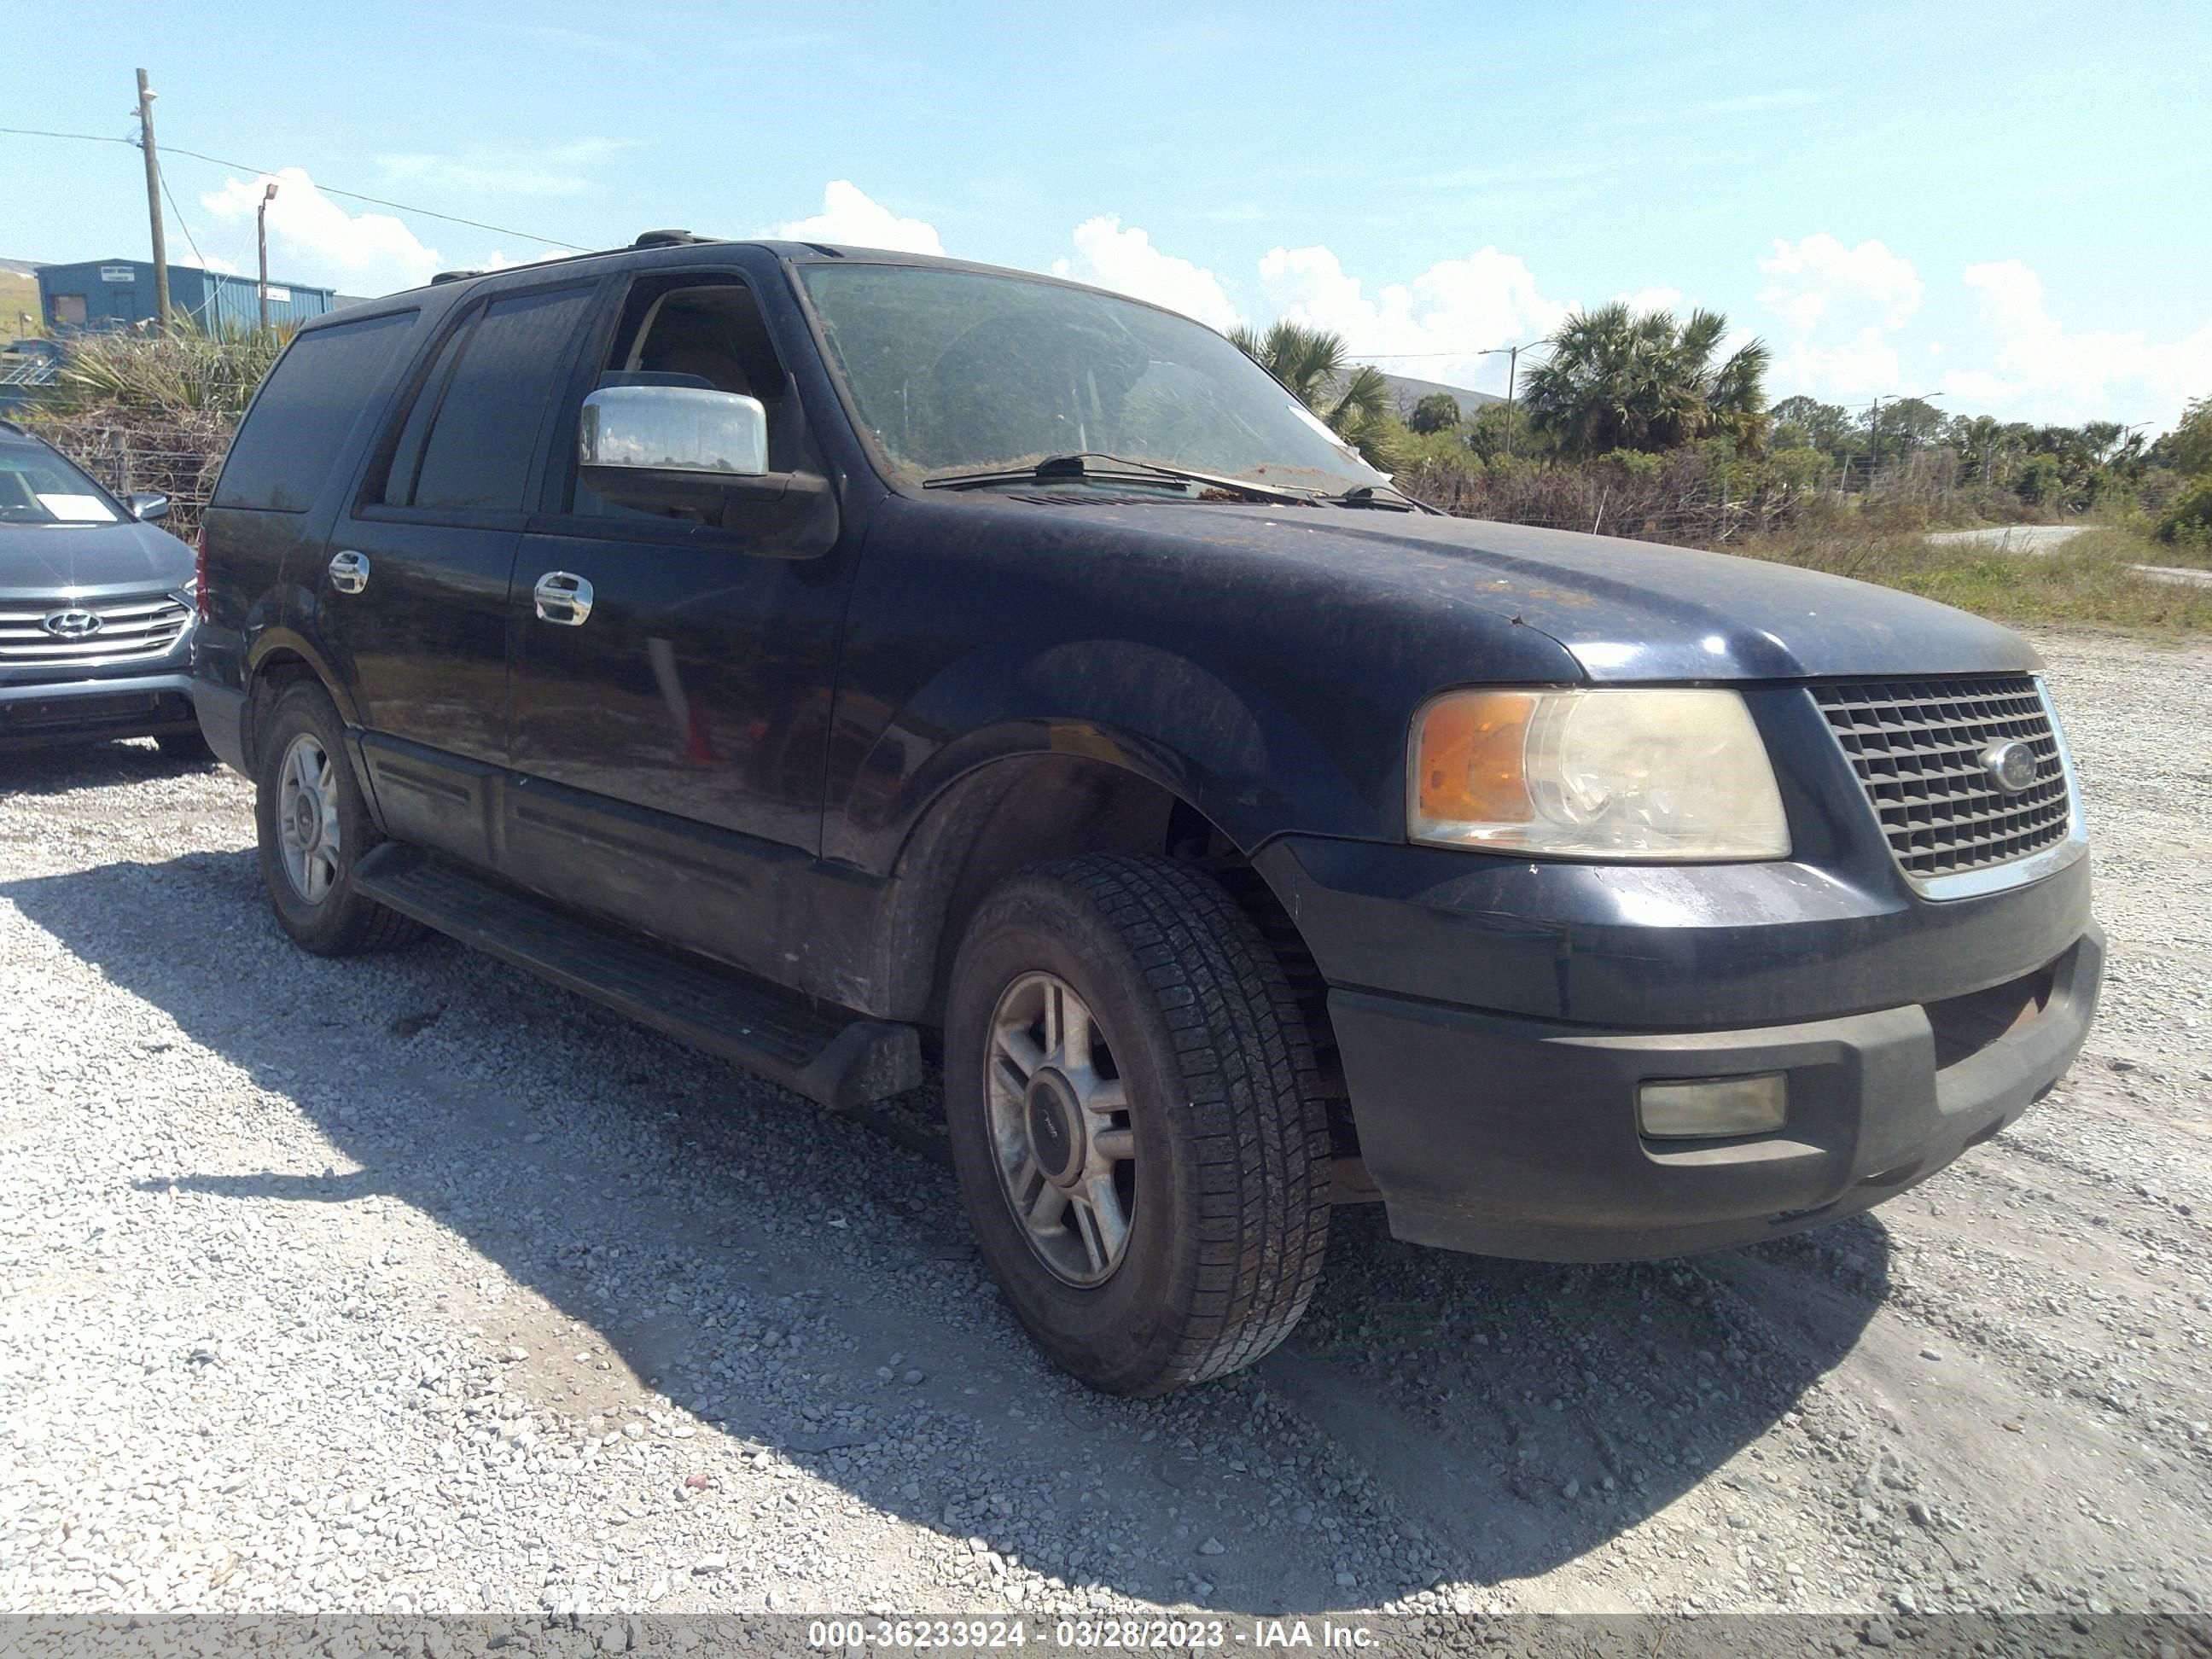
<point>562,599</point>
<point>349,571</point>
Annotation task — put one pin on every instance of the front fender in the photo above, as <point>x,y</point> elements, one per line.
<point>1227,748</point>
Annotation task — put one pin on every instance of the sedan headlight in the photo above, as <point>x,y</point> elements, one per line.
<point>1618,773</point>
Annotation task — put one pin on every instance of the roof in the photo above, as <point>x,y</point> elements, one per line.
<point>658,246</point>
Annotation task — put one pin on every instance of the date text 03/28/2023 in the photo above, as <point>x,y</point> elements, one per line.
<point>1089,1635</point>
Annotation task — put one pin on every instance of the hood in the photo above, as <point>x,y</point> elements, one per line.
<point>1625,610</point>
<point>90,561</point>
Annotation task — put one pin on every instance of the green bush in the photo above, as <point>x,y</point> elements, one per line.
<point>2186,520</point>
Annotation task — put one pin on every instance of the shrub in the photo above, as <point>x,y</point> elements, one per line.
<point>2187,520</point>
<point>155,411</point>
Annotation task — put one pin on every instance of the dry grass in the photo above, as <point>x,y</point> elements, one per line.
<point>2087,579</point>
<point>18,297</point>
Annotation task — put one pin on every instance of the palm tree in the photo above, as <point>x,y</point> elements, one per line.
<point>1616,380</point>
<point>1352,398</point>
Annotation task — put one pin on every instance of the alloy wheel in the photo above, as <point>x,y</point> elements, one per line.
<point>1061,1134</point>
<point>307,819</point>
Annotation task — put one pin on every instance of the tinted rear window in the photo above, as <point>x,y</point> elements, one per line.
<point>290,441</point>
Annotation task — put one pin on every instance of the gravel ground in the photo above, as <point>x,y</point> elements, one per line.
<point>410,1284</point>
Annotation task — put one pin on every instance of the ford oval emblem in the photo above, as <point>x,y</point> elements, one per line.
<point>2011,766</point>
<point>71,624</point>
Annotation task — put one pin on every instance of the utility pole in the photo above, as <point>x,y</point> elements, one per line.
<point>261,236</point>
<point>1512,368</point>
<point>146,96</point>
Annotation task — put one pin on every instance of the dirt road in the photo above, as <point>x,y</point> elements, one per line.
<point>411,1283</point>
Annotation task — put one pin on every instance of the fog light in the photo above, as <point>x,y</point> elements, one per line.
<point>1712,1106</point>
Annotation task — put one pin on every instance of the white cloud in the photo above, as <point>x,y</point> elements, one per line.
<point>1434,327</point>
<point>554,170</point>
<point>1840,307</point>
<point>1818,280</point>
<point>1108,255</point>
<point>850,216</point>
<point>1645,300</point>
<point>312,239</point>
<point>2094,374</point>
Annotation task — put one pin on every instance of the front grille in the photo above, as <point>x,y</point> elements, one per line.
<point>135,629</point>
<point>1917,747</point>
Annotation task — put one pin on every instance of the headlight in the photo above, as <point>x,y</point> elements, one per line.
<point>1612,774</point>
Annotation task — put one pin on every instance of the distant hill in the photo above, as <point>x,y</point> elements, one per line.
<point>21,267</point>
<point>1407,391</point>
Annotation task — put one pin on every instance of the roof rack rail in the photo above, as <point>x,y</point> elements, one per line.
<point>668,239</point>
<point>453,277</point>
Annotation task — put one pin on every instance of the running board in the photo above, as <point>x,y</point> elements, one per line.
<point>826,1054</point>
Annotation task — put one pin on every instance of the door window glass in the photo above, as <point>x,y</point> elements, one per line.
<point>487,410</point>
<point>407,456</point>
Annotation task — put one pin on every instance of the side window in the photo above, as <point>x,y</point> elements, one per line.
<point>407,456</point>
<point>707,334</point>
<point>292,434</point>
<point>472,431</point>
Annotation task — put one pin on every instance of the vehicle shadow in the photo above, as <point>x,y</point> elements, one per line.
<point>64,768</point>
<point>806,1284</point>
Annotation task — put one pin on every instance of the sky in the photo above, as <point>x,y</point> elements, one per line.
<point>2009,205</point>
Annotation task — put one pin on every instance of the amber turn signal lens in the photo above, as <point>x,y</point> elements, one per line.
<point>1470,758</point>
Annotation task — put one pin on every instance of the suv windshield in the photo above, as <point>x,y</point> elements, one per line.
<point>963,371</point>
<point>39,487</point>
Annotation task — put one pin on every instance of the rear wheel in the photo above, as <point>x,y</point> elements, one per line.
<point>1138,1129</point>
<point>313,828</point>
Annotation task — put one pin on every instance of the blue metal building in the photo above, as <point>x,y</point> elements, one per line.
<point>98,295</point>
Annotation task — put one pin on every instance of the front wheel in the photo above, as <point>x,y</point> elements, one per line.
<point>313,827</point>
<point>1138,1126</point>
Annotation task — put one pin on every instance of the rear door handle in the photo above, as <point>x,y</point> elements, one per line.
<point>349,571</point>
<point>562,599</point>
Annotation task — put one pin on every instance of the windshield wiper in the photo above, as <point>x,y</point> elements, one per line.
<point>1371,496</point>
<point>1078,468</point>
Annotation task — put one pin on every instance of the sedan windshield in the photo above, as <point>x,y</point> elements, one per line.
<point>960,372</point>
<point>39,487</point>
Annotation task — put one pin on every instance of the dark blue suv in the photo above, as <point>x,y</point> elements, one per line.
<point>822,655</point>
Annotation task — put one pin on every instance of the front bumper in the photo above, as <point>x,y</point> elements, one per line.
<point>1518,1137</point>
<point>36,714</point>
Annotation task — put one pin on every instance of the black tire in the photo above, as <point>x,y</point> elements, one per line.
<point>1232,1164</point>
<point>341,922</point>
<point>189,748</point>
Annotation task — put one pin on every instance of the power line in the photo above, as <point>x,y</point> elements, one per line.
<point>1472,351</point>
<point>170,197</point>
<point>328,189</point>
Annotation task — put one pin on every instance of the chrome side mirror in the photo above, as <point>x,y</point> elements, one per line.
<point>700,454</point>
<point>147,505</point>
<point>674,428</point>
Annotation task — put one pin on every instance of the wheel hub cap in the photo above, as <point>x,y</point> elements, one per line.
<point>1055,1124</point>
<point>1061,1132</point>
<point>307,819</point>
